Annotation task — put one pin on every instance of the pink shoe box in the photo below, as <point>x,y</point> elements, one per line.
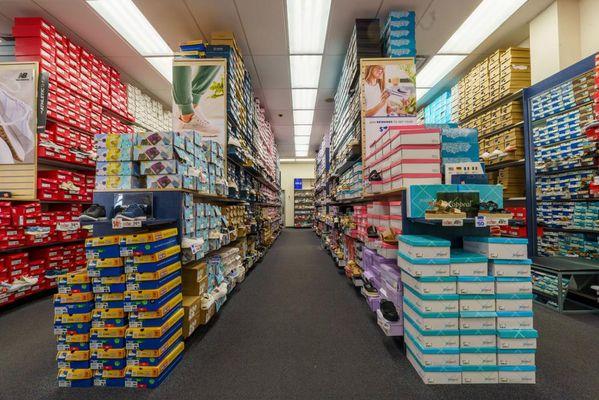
<point>389,328</point>
<point>383,223</point>
<point>416,151</point>
<point>395,208</point>
<point>396,223</point>
<point>380,208</point>
<point>416,166</point>
<point>403,135</point>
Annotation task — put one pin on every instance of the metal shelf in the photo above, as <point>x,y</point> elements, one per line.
<point>63,164</point>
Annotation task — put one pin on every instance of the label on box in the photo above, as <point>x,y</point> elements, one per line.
<point>68,226</point>
<point>118,223</point>
<point>452,222</point>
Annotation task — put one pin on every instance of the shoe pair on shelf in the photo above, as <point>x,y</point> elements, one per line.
<point>97,212</point>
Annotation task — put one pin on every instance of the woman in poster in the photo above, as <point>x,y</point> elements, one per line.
<point>374,91</point>
<point>187,92</point>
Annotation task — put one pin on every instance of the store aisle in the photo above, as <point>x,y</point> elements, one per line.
<point>295,329</point>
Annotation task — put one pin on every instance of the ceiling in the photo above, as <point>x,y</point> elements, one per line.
<point>260,29</point>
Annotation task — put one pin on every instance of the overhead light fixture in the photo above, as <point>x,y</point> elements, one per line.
<point>296,160</point>
<point>305,70</point>
<point>132,25</point>
<point>301,147</point>
<point>302,130</point>
<point>311,14</point>
<point>303,99</point>
<point>301,140</point>
<point>484,20</point>
<point>164,65</point>
<point>301,153</point>
<point>303,117</point>
<point>436,69</point>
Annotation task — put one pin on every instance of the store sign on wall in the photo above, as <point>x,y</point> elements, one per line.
<point>297,184</point>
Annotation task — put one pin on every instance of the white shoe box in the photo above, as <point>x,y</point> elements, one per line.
<point>478,320</point>
<point>497,248</point>
<point>514,302</point>
<point>515,357</point>
<point>513,285</point>
<point>476,285</point>
<point>517,339</point>
<point>511,376</point>
<point>475,340</point>
<point>424,246</point>
<point>476,302</point>
<point>443,303</point>
<point>430,285</point>
<point>423,267</point>
<point>430,357</point>
<point>436,340</point>
<point>514,320</point>
<point>509,268</point>
<point>462,263</point>
<point>436,322</point>
<point>478,377</point>
<point>478,357</point>
<point>436,376</point>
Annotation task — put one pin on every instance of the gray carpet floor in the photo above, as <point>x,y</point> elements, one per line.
<point>295,329</point>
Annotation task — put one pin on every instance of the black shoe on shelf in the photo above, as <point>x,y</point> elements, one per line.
<point>389,311</point>
<point>93,213</point>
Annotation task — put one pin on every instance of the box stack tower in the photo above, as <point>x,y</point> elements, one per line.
<point>106,269</point>
<point>154,340</point>
<point>73,307</point>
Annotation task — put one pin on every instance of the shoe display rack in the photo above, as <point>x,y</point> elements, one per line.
<point>562,170</point>
<point>303,204</point>
<point>85,96</point>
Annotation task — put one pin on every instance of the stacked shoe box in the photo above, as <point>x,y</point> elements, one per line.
<point>217,286</point>
<point>350,183</point>
<point>510,272</point>
<point>106,270</point>
<point>439,110</point>
<point>267,150</point>
<point>84,95</point>
<point>215,158</point>
<point>197,305</point>
<point>399,34</point>
<point>403,156</point>
<point>115,169</point>
<point>153,300</point>
<point>73,307</point>
<point>431,308</point>
<point>64,185</point>
<point>147,112</point>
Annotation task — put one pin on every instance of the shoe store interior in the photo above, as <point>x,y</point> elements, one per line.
<point>299,199</point>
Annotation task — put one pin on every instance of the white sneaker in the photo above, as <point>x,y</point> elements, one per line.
<point>195,123</point>
<point>14,125</point>
<point>485,155</point>
<point>188,243</point>
<point>207,301</point>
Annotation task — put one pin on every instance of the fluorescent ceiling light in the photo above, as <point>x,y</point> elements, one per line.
<point>307,25</point>
<point>301,147</point>
<point>302,130</point>
<point>301,153</point>
<point>287,160</point>
<point>303,99</point>
<point>436,69</point>
<point>420,92</point>
<point>132,25</point>
<point>302,140</point>
<point>305,71</point>
<point>164,65</point>
<point>484,20</point>
<point>303,117</point>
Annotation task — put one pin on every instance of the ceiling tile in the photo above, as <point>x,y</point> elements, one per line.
<point>277,98</point>
<point>161,15</point>
<point>286,118</point>
<point>273,71</point>
<point>264,24</point>
<point>218,15</point>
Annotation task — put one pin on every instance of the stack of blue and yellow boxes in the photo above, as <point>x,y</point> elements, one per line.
<point>73,305</point>
<point>109,323</point>
<point>153,299</point>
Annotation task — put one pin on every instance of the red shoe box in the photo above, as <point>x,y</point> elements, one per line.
<point>37,267</point>
<point>48,184</point>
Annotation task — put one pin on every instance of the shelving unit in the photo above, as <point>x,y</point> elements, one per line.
<point>303,205</point>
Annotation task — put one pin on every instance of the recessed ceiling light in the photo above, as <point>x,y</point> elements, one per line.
<point>303,153</point>
<point>132,25</point>
<point>303,117</point>
<point>484,20</point>
<point>302,130</point>
<point>301,140</point>
<point>303,99</point>
<point>164,65</point>
<point>305,70</point>
<point>436,68</point>
<point>311,14</point>
<point>301,147</point>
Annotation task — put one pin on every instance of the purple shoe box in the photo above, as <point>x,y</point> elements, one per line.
<point>374,302</point>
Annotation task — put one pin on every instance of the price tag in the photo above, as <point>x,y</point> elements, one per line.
<point>118,223</point>
<point>480,221</point>
<point>68,226</point>
<point>452,222</point>
<point>497,221</point>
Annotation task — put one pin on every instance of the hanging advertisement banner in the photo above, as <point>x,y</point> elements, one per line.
<point>387,99</point>
<point>18,129</point>
<point>200,98</point>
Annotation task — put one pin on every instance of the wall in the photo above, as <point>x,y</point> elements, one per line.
<point>289,171</point>
<point>561,35</point>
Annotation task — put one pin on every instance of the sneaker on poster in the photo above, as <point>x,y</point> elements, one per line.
<point>196,123</point>
<point>93,213</point>
<point>14,126</point>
